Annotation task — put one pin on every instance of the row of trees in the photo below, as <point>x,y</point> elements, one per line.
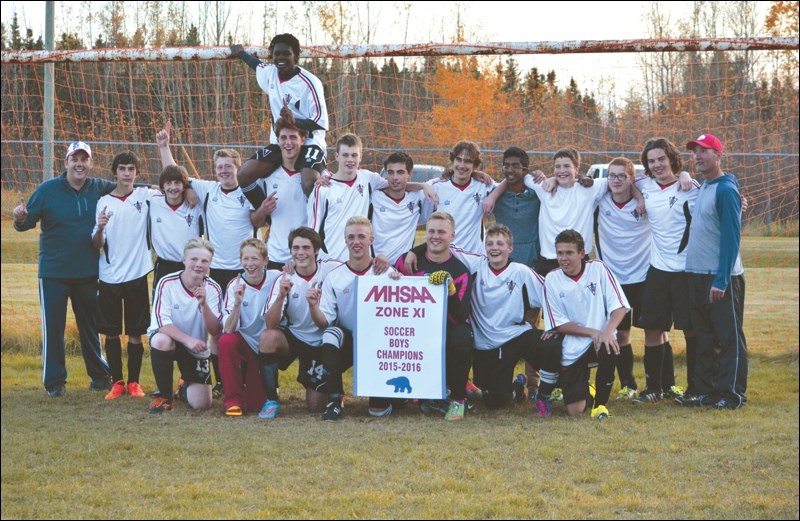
<point>422,104</point>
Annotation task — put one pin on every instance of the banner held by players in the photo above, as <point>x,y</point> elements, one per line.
<point>400,338</point>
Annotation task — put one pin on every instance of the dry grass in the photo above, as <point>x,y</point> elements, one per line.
<point>83,457</point>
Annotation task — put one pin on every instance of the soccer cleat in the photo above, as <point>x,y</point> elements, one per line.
<point>724,403</point>
<point>600,413</point>
<point>648,396</point>
<point>100,384</point>
<point>270,409</point>
<point>533,395</point>
<point>117,390</point>
<point>469,406</point>
<point>518,386</point>
<point>333,411</point>
<point>557,395</point>
<point>674,392</point>
<point>433,406</point>
<point>627,393</point>
<point>233,411</point>
<point>217,391</point>
<point>380,413</point>
<point>180,392</point>
<point>159,405</point>
<point>56,391</point>
<point>455,411</point>
<point>473,391</point>
<point>544,407</point>
<point>693,400</point>
<point>135,390</point>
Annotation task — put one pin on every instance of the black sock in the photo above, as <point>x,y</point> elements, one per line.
<point>668,369</point>
<point>254,194</point>
<point>625,366</point>
<point>653,363</point>
<point>162,362</point>
<point>114,355</point>
<point>269,374</point>
<point>604,378</point>
<point>215,364</point>
<point>135,353</point>
<point>691,359</point>
<point>333,373</point>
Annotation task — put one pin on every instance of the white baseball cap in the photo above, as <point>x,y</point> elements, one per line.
<point>78,145</point>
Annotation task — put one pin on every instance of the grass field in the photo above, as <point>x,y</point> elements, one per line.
<point>83,457</point>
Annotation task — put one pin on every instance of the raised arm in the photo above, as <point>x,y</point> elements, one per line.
<point>162,140</point>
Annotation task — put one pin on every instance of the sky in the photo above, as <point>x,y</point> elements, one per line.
<point>435,21</point>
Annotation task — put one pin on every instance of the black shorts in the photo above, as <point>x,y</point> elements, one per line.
<point>223,277</point>
<point>310,371</point>
<point>665,300</point>
<point>311,156</point>
<point>164,267</point>
<point>136,296</point>
<point>574,379</point>
<point>193,370</point>
<point>634,293</point>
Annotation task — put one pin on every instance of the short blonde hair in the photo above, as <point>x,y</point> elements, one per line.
<point>500,229</point>
<point>444,216</point>
<point>198,242</point>
<point>228,152</point>
<point>358,220</point>
<point>258,244</point>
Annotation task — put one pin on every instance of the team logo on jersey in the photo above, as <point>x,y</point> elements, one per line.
<point>410,207</point>
<point>511,285</point>
<point>244,303</point>
<point>287,99</point>
<point>295,295</point>
<point>672,201</point>
<point>242,200</point>
<point>360,189</point>
<point>274,186</point>
<point>477,198</point>
<point>138,206</point>
<point>158,219</point>
<point>635,215</point>
<point>447,203</point>
<point>383,209</point>
<point>176,306</point>
<point>607,213</point>
<point>189,219</point>
<point>592,287</point>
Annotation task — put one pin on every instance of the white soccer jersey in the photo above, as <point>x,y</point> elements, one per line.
<point>303,94</point>
<point>251,311</point>
<point>499,300</point>
<point>171,228</point>
<point>338,302</point>
<point>290,213</point>
<point>125,255</point>
<point>227,221</point>
<point>666,209</point>
<point>295,307</point>
<point>394,223</point>
<point>176,305</point>
<point>464,204</point>
<point>566,209</point>
<point>329,208</point>
<point>623,240</point>
<point>587,301</point>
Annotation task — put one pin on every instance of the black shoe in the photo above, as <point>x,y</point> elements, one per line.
<point>56,391</point>
<point>434,406</point>
<point>217,391</point>
<point>101,384</point>
<point>333,411</point>
<point>724,403</point>
<point>649,396</point>
<point>692,400</point>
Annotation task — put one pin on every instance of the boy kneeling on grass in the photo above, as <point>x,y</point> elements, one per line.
<point>186,309</point>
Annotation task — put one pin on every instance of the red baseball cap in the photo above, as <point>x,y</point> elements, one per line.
<point>705,141</point>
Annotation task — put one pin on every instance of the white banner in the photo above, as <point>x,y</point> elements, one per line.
<point>400,338</point>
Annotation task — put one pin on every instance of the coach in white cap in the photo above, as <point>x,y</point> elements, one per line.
<point>68,265</point>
